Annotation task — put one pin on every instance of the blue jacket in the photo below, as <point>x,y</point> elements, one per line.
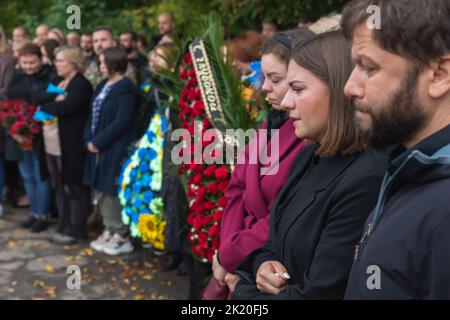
<point>404,252</point>
<point>115,131</point>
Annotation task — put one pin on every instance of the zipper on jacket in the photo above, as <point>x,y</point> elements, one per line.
<point>358,247</point>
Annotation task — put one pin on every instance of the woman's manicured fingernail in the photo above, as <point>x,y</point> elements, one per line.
<point>286,275</point>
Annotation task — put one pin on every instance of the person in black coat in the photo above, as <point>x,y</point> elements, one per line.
<point>318,216</point>
<point>404,251</point>
<point>29,83</point>
<point>109,131</point>
<point>64,150</point>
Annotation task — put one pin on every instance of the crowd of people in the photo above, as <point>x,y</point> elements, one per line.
<point>358,207</point>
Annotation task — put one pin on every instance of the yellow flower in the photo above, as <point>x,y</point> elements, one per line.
<point>247,93</point>
<point>152,230</point>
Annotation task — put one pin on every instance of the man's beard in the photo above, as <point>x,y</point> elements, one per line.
<point>128,50</point>
<point>397,120</point>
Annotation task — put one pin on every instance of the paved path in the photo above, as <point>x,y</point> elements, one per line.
<point>31,267</point>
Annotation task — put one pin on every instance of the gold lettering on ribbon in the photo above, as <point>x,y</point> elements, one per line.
<point>208,89</point>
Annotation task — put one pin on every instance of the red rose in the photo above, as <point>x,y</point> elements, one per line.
<point>213,188</point>
<point>197,222</point>
<point>191,128</point>
<point>191,73</point>
<point>222,202</point>
<point>198,108</point>
<point>201,192</point>
<point>209,205</point>
<point>209,171</point>
<point>210,255</point>
<point>196,167</point>
<point>221,173</point>
<point>187,58</point>
<point>207,220</point>
<point>183,74</point>
<point>215,244</point>
<point>223,185</point>
<point>198,94</point>
<point>185,93</point>
<point>206,123</point>
<point>192,83</point>
<point>196,250</point>
<point>217,216</point>
<point>213,231</point>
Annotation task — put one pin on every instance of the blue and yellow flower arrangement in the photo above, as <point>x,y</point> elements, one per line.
<point>140,184</point>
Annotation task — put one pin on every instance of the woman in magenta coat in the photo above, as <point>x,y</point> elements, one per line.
<point>251,192</point>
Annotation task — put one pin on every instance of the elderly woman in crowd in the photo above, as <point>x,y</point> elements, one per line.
<point>64,151</point>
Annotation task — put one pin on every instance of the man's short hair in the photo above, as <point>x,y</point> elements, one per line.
<point>418,30</point>
<point>30,49</point>
<point>103,28</point>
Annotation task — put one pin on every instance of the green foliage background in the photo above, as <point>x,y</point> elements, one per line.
<point>141,15</point>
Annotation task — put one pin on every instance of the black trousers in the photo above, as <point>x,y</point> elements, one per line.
<point>73,202</point>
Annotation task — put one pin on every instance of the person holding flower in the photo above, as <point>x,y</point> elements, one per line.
<point>110,130</point>
<point>29,84</point>
<point>64,150</point>
<point>250,194</point>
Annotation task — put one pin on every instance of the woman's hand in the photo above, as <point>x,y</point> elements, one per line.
<point>91,148</point>
<point>231,280</point>
<point>219,272</point>
<point>272,277</point>
<point>18,138</point>
<point>60,97</point>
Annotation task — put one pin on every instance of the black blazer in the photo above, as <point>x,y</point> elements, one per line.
<point>316,241</point>
<point>72,115</point>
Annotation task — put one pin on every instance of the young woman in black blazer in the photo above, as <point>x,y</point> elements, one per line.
<point>319,215</point>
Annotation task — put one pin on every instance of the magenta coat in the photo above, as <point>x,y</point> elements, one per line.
<point>250,195</point>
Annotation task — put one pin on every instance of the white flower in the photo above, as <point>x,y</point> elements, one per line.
<point>125,218</point>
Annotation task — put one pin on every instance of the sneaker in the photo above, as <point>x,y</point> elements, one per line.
<point>62,239</point>
<point>101,241</point>
<point>159,253</point>
<point>29,222</point>
<point>39,225</point>
<point>118,245</point>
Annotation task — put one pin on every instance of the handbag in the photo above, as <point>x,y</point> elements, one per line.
<point>214,291</point>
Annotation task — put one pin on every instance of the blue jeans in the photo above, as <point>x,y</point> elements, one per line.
<point>38,190</point>
<point>2,175</point>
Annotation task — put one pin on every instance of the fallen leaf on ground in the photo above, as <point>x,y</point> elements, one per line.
<point>49,269</point>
